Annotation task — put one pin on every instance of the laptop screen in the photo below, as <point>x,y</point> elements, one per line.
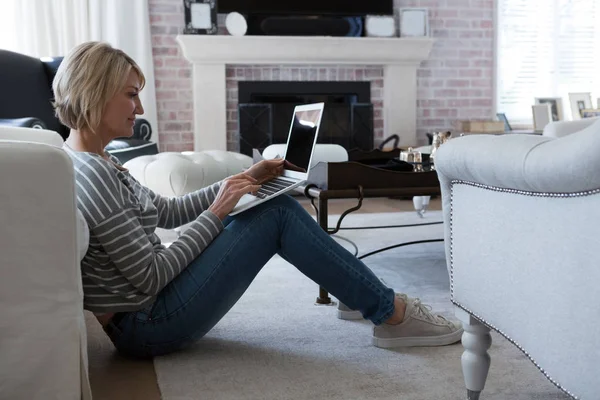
<point>305,126</point>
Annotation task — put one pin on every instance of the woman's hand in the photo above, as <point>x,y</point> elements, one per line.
<point>266,170</point>
<point>231,191</point>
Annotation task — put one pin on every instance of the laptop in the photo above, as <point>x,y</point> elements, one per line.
<point>299,151</point>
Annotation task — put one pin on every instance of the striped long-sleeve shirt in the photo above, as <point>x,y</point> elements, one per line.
<point>126,265</point>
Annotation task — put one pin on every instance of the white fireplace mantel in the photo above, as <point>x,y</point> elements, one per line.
<point>209,55</point>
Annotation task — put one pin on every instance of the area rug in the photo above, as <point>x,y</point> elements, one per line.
<point>277,344</point>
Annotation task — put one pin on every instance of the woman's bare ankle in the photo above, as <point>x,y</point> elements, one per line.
<point>399,310</point>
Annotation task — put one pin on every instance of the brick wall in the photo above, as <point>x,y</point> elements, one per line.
<point>455,83</point>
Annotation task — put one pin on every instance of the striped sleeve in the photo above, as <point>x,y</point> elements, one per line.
<point>150,270</point>
<point>176,211</point>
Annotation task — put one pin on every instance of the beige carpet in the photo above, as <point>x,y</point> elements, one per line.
<point>290,348</point>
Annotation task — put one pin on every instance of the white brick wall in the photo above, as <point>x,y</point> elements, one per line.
<point>455,83</point>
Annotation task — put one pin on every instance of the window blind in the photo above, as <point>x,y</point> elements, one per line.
<point>8,26</point>
<point>546,48</point>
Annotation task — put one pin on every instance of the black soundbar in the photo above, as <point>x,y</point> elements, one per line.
<point>304,25</point>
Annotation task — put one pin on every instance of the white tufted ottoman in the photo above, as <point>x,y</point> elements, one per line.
<point>175,174</point>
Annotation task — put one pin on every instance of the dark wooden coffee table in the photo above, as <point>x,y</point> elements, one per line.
<point>354,180</point>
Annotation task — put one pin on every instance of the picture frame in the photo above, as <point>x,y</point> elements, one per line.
<point>556,106</point>
<point>580,102</point>
<point>200,17</point>
<point>502,118</point>
<point>542,116</point>
<point>590,113</point>
<point>413,22</point>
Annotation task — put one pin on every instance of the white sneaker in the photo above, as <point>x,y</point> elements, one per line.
<point>420,327</point>
<point>344,312</point>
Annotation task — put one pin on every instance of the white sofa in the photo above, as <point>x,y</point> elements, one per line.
<point>522,221</point>
<point>43,336</point>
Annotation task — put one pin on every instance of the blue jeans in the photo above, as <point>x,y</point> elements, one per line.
<point>194,302</point>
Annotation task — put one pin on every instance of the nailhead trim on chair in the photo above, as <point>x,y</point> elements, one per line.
<point>482,320</point>
<point>526,193</point>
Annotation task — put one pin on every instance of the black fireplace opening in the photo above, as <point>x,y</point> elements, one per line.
<point>265,112</point>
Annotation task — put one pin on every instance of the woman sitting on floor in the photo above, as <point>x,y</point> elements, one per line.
<point>153,300</point>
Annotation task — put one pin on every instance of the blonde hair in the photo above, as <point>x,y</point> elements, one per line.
<point>87,78</point>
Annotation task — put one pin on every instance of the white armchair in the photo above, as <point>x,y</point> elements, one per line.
<point>522,222</point>
<point>42,239</point>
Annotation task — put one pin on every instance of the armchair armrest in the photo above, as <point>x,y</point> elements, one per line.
<point>564,128</point>
<point>28,122</point>
<point>41,307</point>
<point>524,162</point>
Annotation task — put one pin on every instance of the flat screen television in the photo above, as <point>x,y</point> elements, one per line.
<point>308,7</point>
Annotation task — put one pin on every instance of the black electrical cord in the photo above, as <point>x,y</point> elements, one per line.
<point>377,227</point>
<point>399,245</point>
<point>389,226</point>
<point>385,248</point>
<point>333,232</point>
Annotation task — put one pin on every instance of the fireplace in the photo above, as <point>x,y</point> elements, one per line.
<point>210,54</point>
<point>265,110</point>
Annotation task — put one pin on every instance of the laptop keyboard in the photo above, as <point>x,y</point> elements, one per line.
<point>273,186</point>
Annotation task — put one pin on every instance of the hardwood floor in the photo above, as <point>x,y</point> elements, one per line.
<point>116,378</point>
